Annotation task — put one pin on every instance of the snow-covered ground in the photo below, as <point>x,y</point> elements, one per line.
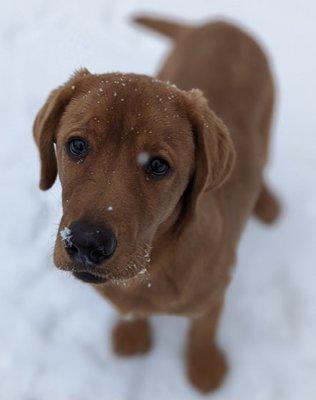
<point>54,331</point>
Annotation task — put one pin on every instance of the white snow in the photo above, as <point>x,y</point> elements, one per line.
<point>142,271</point>
<point>54,330</point>
<point>143,157</point>
<point>66,235</point>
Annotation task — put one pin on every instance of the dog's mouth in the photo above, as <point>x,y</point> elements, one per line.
<point>135,268</point>
<point>89,277</point>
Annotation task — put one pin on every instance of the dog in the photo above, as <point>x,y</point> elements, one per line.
<point>159,177</point>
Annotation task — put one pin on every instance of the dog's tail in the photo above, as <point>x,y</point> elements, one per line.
<point>167,28</point>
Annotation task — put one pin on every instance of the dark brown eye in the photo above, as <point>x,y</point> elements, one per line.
<point>77,148</point>
<point>157,168</point>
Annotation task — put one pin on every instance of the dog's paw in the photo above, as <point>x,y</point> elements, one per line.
<point>206,367</point>
<point>131,338</point>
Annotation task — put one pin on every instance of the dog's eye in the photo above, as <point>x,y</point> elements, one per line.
<point>77,148</point>
<point>157,168</point>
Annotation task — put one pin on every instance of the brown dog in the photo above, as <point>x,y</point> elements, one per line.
<point>156,189</point>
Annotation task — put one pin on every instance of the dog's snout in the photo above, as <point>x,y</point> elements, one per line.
<point>89,244</point>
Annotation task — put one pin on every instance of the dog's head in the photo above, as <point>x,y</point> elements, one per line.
<point>133,155</point>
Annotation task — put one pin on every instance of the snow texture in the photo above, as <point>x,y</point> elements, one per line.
<point>66,236</point>
<point>143,158</point>
<point>54,330</point>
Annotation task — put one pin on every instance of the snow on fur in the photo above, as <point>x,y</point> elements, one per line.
<point>55,330</point>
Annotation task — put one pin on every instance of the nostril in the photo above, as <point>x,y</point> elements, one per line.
<point>72,250</point>
<point>97,255</point>
<point>110,246</point>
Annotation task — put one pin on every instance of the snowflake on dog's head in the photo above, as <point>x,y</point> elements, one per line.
<point>143,158</point>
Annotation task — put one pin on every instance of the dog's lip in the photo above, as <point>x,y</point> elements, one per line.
<point>89,277</point>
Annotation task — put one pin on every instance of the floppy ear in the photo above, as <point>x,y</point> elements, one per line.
<point>46,124</point>
<point>214,149</point>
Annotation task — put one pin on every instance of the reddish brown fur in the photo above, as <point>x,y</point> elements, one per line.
<point>188,224</point>
<point>132,337</point>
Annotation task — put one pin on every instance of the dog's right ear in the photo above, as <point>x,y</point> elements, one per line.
<point>46,124</point>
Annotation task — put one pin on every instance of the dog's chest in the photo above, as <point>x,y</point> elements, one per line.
<point>144,298</point>
<point>164,295</point>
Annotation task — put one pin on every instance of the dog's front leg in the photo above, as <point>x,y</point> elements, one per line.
<point>206,363</point>
<point>131,337</point>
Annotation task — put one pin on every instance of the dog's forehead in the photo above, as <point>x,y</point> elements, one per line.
<point>128,103</point>
<point>141,90</point>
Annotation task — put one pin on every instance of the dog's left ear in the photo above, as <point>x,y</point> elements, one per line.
<point>214,148</point>
<point>46,124</point>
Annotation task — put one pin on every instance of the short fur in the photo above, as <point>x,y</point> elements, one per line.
<point>177,238</point>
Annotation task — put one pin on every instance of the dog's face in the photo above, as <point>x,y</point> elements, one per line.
<point>126,151</point>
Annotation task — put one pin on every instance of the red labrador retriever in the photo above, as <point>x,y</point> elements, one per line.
<point>159,179</point>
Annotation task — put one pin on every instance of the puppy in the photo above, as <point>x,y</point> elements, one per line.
<point>156,188</point>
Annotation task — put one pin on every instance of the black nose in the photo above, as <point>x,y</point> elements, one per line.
<point>88,244</point>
